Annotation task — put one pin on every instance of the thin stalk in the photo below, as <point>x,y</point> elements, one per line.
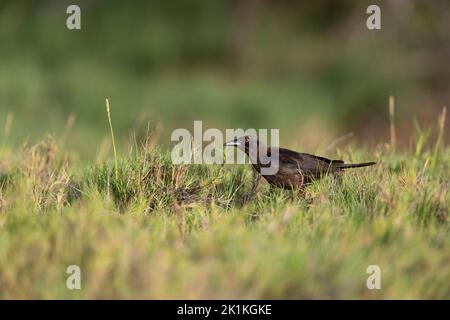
<point>392,122</point>
<point>116,165</point>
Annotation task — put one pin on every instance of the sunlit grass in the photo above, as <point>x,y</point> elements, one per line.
<point>153,229</point>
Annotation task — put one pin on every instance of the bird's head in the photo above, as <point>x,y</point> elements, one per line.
<point>245,143</point>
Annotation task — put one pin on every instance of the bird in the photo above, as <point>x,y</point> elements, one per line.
<point>295,169</point>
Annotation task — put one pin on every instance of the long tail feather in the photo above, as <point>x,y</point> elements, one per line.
<point>353,165</point>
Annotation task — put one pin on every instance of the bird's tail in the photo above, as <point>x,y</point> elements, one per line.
<point>353,165</point>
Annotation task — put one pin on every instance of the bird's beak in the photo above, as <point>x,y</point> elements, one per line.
<point>232,143</point>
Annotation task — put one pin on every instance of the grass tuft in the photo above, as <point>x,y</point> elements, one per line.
<point>141,227</point>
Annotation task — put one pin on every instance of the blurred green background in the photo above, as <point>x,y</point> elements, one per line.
<point>312,68</point>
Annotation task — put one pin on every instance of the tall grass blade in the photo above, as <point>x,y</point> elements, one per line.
<point>440,137</point>
<point>392,122</point>
<point>116,164</point>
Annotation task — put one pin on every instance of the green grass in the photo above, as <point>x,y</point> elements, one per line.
<point>152,229</point>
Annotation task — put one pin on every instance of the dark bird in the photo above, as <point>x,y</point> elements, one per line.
<point>295,169</point>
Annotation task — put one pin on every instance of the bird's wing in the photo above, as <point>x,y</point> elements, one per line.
<point>326,160</point>
<point>304,163</point>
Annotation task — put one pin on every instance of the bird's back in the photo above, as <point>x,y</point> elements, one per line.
<point>296,169</point>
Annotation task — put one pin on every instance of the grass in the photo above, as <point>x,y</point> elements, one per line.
<point>140,227</point>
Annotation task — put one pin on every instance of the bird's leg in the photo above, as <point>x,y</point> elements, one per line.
<point>338,178</point>
<point>298,192</point>
<point>301,191</point>
<point>256,180</point>
<point>255,184</point>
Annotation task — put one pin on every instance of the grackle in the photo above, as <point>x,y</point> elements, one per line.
<point>295,170</point>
